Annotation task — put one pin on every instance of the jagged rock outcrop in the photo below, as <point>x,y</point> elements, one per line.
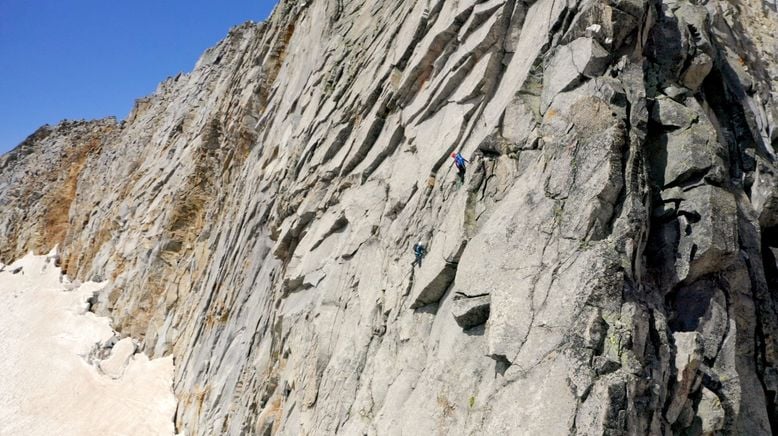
<point>39,180</point>
<point>608,265</point>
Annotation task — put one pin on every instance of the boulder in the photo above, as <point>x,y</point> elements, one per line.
<point>470,311</point>
<point>670,113</point>
<point>708,232</point>
<point>697,71</point>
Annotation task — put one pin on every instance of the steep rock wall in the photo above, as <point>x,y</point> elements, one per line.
<point>39,180</point>
<point>606,267</point>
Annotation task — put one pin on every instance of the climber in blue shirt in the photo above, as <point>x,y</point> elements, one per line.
<point>459,161</point>
<point>419,250</point>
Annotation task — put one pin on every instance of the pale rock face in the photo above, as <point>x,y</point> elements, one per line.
<point>606,267</point>
<point>582,58</point>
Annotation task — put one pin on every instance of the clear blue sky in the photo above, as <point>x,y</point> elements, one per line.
<point>89,59</point>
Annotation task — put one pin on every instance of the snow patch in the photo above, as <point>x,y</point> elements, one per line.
<point>62,371</point>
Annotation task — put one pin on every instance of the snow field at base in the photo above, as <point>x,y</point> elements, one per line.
<point>52,382</point>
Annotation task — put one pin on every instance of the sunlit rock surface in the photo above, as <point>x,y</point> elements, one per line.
<point>607,266</point>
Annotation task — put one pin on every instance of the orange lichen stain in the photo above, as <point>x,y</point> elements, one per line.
<point>195,398</point>
<point>55,219</point>
<point>424,77</point>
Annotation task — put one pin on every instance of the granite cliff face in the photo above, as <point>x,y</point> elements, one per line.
<point>608,265</point>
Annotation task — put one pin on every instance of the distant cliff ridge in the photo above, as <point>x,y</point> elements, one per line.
<point>607,266</point>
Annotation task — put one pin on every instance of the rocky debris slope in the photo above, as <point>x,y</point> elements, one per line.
<point>64,370</point>
<point>607,267</point>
